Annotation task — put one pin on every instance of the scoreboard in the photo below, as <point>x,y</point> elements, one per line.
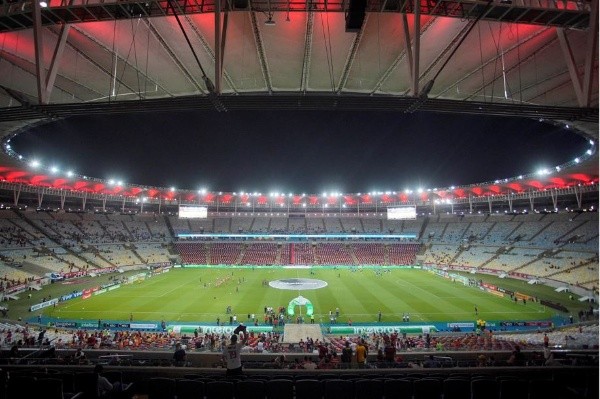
<point>193,212</point>
<point>402,213</point>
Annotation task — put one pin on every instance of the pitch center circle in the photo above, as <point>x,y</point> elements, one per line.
<point>297,284</point>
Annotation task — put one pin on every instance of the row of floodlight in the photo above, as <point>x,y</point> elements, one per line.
<point>55,170</point>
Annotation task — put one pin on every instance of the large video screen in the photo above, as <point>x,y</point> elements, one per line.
<point>193,212</point>
<point>402,213</point>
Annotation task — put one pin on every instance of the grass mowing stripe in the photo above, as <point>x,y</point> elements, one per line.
<point>182,295</point>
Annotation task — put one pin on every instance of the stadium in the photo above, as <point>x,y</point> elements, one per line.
<point>486,287</point>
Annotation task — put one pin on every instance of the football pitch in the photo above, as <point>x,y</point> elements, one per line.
<point>203,295</point>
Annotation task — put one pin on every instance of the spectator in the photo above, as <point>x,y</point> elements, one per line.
<point>361,354</point>
<point>346,356</point>
<point>232,354</point>
<point>179,356</point>
<point>516,358</point>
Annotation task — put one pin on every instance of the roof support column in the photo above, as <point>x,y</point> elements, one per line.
<point>218,49</point>
<point>570,60</point>
<point>470,203</point>
<point>17,194</point>
<point>63,197</point>
<point>531,204</point>
<point>510,201</point>
<point>408,45</point>
<point>590,52</point>
<point>56,57</point>
<point>83,201</point>
<point>578,195</point>
<point>554,196</point>
<point>40,196</point>
<point>416,48</point>
<point>40,70</point>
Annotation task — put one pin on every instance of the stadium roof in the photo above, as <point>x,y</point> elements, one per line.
<point>533,58</point>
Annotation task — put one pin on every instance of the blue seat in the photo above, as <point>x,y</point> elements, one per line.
<point>279,389</point>
<point>339,389</point>
<point>219,390</point>
<point>309,389</point>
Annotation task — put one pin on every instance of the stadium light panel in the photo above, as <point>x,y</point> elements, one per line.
<point>576,160</point>
<point>70,173</point>
<point>34,164</point>
<point>589,152</point>
<point>120,183</point>
<point>54,169</point>
<point>111,182</point>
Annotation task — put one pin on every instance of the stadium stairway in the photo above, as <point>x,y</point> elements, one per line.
<point>293,333</point>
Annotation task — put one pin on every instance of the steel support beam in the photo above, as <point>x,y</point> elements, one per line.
<point>416,51</point>
<point>260,50</point>
<point>570,61</point>
<point>407,44</point>
<point>591,52</point>
<point>38,44</point>
<point>568,14</point>
<point>218,49</point>
<point>308,41</point>
<point>56,57</point>
<point>351,56</point>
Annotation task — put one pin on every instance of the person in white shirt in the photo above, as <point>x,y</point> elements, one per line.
<point>232,355</point>
<point>309,364</point>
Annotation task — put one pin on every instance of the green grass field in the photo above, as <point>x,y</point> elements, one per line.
<point>181,296</point>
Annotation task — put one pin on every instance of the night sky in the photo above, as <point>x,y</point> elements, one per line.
<point>299,151</point>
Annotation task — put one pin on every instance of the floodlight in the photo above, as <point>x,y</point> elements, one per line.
<point>120,183</point>
<point>558,168</point>
<point>591,142</point>
<point>589,152</point>
<point>420,190</point>
<point>20,156</point>
<point>54,169</point>
<point>172,189</point>
<point>111,182</point>
<point>70,173</point>
<point>34,163</point>
<point>576,160</point>
<point>43,4</point>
